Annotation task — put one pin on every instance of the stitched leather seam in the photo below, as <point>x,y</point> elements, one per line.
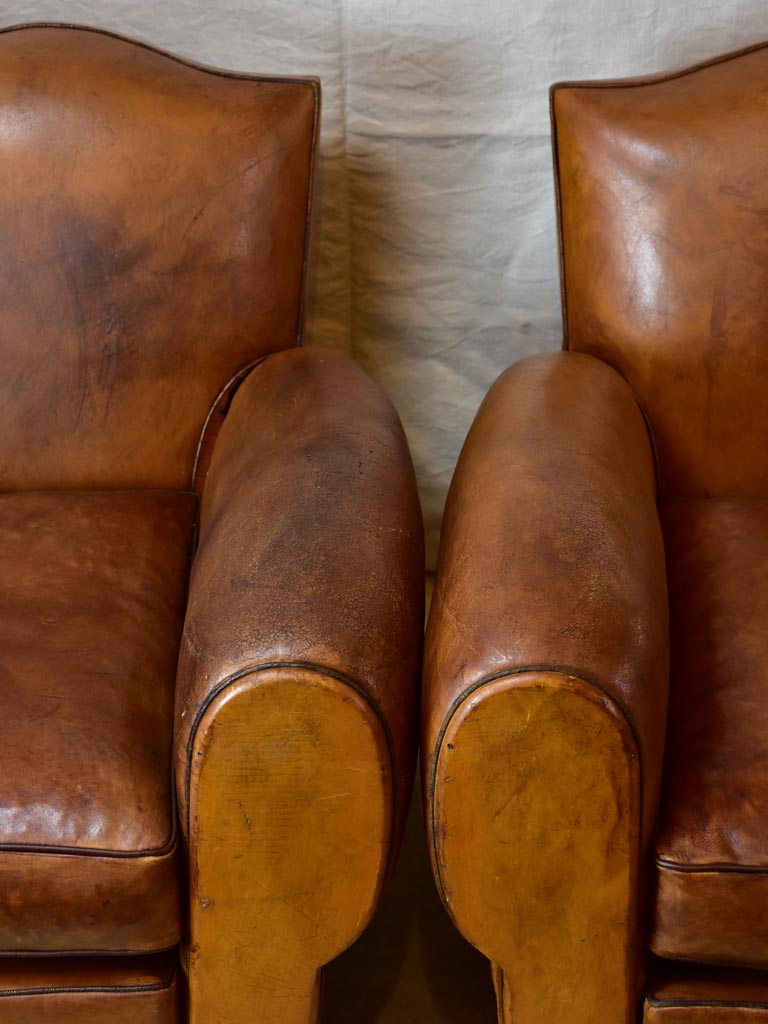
<point>20,954</point>
<point>80,989</point>
<point>509,673</point>
<point>87,851</point>
<point>319,670</point>
<point>736,1004</point>
<point>710,869</point>
<point>310,202</point>
<point>227,393</point>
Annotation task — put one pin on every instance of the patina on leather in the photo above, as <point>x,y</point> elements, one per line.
<point>662,187</point>
<point>662,190</point>
<point>712,846</point>
<point>92,597</point>
<point>155,215</point>
<point>158,217</point>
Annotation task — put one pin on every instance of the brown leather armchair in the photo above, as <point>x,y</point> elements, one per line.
<point>603,582</point>
<point>154,413</point>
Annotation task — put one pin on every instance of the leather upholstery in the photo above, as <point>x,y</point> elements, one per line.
<point>89,990</point>
<point>712,845</point>
<point>156,217</point>
<point>693,994</point>
<point>663,184</point>
<point>551,562</point>
<point>311,550</point>
<point>551,554</point>
<point>143,274</point>
<point>91,602</point>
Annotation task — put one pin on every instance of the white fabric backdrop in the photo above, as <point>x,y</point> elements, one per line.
<point>435,256</point>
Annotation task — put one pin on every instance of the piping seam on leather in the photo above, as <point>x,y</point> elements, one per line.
<point>738,1004</point>
<point>503,674</point>
<point>311,185</point>
<point>642,81</point>
<point>55,990</point>
<point>711,869</point>
<point>232,384</point>
<point>318,670</point>
<point>21,954</point>
<point>87,851</point>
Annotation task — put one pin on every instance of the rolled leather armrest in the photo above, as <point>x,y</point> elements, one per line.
<point>546,679</point>
<point>300,664</point>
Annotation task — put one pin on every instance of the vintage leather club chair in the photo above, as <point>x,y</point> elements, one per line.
<point>597,488</point>
<point>154,223</point>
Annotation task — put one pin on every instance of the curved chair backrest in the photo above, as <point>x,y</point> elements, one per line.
<point>153,216</point>
<point>663,203</point>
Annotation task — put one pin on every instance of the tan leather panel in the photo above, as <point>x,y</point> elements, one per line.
<point>690,994</point>
<point>712,845</point>
<point>291,825</point>
<point>535,822</point>
<point>75,990</point>
<point>311,549</point>
<point>663,186</point>
<point>551,554</point>
<point>154,217</point>
<point>92,593</point>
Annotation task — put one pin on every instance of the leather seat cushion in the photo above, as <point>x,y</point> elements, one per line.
<point>694,994</point>
<point>712,845</point>
<point>92,592</point>
<point>89,990</point>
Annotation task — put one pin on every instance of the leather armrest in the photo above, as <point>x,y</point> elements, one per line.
<point>551,557</point>
<point>311,551</point>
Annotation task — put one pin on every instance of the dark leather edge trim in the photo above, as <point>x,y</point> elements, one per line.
<point>558,218</point>
<point>311,190</point>
<point>339,677</point>
<point>53,990</point>
<point>735,1004</point>
<point>223,398</point>
<point>87,851</point>
<point>25,26</point>
<point>509,673</point>
<point>710,869</point>
<point>657,78</point>
<point>46,954</point>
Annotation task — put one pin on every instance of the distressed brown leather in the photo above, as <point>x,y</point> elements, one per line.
<point>551,554</point>
<point>712,845</point>
<point>92,597</point>
<point>89,990</point>
<point>156,218</point>
<point>663,186</point>
<point>155,224</point>
<point>311,549</point>
<point>693,994</point>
